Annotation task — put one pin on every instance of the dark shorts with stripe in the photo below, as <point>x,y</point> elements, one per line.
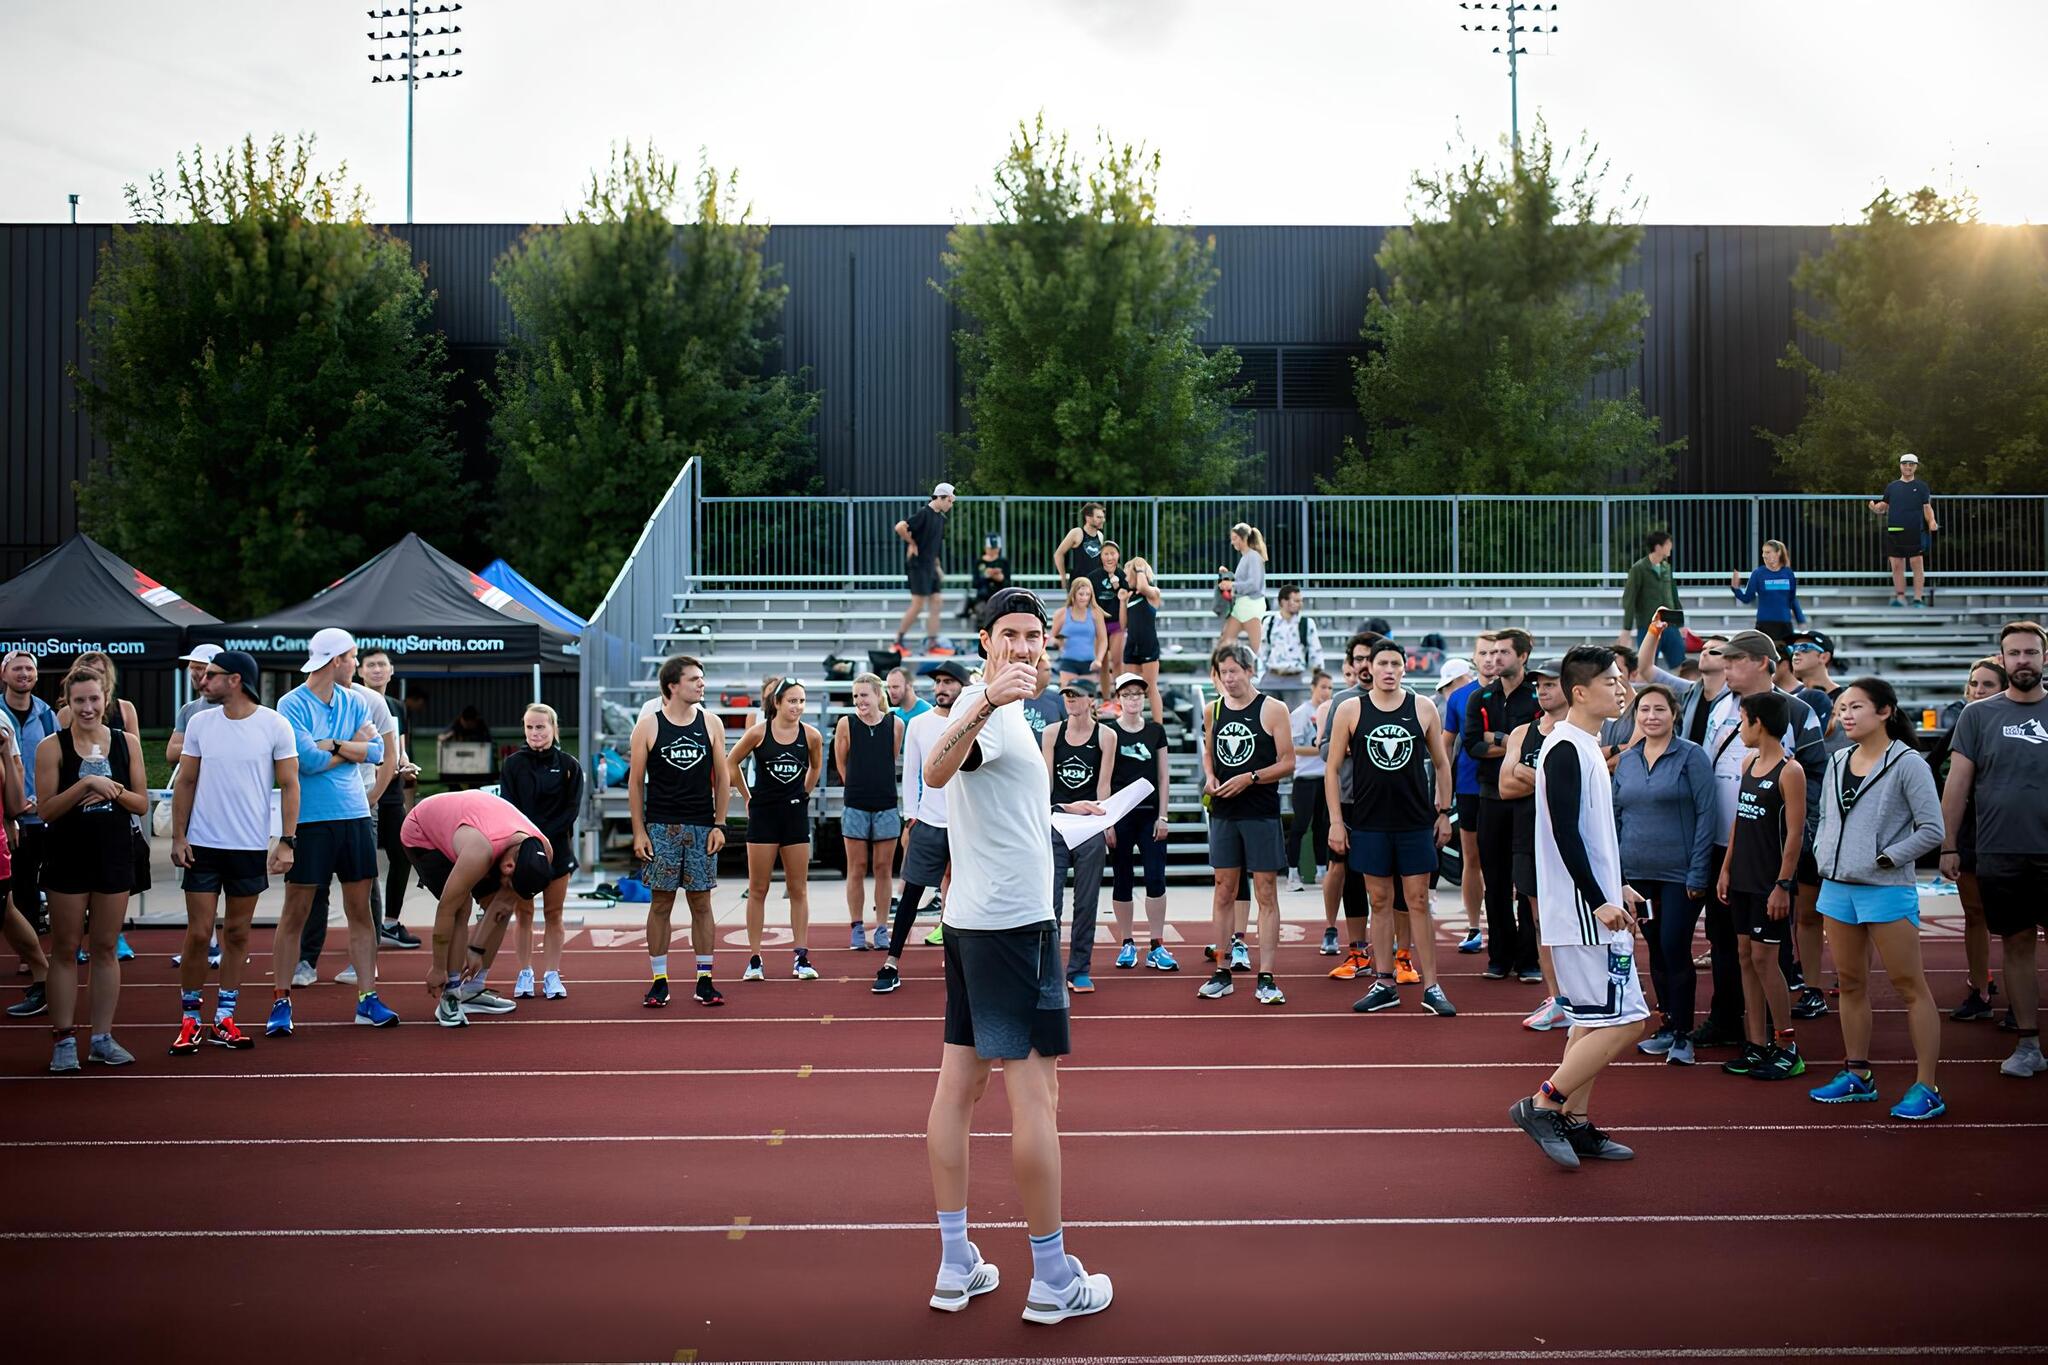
<point>1006,993</point>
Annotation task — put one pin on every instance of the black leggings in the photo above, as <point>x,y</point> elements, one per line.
<point>907,897</point>
<point>1675,916</point>
<point>1134,843</point>
<point>398,868</point>
<point>1311,811</point>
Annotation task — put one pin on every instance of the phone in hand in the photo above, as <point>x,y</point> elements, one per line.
<point>1673,616</point>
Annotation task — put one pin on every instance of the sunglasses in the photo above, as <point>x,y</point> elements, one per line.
<point>1717,653</point>
<point>1805,649</point>
<point>215,673</point>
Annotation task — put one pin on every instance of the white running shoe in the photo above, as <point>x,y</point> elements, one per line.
<point>1294,880</point>
<point>1546,1016</point>
<point>551,987</point>
<point>1083,1295</point>
<point>347,975</point>
<point>2025,1061</point>
<point>522,987</point>
<point>303,974</point>
<point>956,1286</point>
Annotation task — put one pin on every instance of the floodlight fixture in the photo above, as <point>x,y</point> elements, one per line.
<point>409,29</point>
<point>1511,46</point>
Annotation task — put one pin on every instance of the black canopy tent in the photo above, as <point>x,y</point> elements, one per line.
<point>432,614</point>
<point>82,596</point>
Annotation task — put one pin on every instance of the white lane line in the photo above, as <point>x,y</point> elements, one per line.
<point>1395,1357</point>
<point>235,1142</point>
<point>646,1018</point>
<point>1119,1224</point>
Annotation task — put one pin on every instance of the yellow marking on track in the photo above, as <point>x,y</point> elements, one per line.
<point>685,1357</point>
<point>825,1019</point>
<point>775,1136</point>
<point>739,1228</point>
<point>803,1071</point>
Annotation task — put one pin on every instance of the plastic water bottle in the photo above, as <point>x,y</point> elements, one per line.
<point>95,764</point>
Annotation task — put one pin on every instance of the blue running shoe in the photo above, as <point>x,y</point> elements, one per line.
<point>1081,984</point>
<point>280,1024</point>
<point>1920,1103</point>
<point>881,939</point>
<point>1473,942</point>
<point>122,952</point>
<point>1240,956</point>
<point>1127,956</point>
<point>1846,1088</point>
<point>1658,1043</point>
<point>1159,960</point>
<point>374,1012</point>
<point>860,938</point>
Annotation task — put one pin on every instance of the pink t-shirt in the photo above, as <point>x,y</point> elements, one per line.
<point>433,822</point>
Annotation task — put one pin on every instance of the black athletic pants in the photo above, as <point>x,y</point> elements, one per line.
<point>1510,923</point>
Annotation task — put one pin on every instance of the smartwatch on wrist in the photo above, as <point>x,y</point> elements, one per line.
<point>290,841</point>
<point>1787,885</point>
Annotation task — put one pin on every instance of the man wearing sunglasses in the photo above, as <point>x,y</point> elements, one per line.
<point>1813,657</point>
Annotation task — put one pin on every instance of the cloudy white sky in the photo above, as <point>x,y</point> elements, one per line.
<point>1292,111</point>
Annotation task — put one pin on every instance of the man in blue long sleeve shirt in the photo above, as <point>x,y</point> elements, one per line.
<point>337,836</point>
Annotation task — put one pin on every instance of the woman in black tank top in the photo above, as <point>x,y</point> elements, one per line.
<point>865,748</point>
<point>1756,884</point>
<point>788,761</point>
<point>1138,601</point>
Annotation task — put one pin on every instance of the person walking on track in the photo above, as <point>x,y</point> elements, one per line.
<point>677,786</point>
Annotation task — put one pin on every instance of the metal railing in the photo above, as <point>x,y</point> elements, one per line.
<point>1438,541</point>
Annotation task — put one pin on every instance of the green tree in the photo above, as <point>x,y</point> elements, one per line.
<point>1942,328</point>
<point>1503,308</point>
<point>261,370</point>
<point>1080,369</point>
<point>638,345</point>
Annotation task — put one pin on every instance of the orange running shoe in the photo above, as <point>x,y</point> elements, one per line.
<point>1354,965</point>
<point>1404,969</point>
<point>188,1037</point>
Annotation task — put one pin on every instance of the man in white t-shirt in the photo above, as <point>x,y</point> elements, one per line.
<point>1006,996</point>
<point>376,778</point>
<point>234,753</point>
<point>926,859</point>
<point>1584,912</point>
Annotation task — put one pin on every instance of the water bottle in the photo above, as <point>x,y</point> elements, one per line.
<point>95,764</point>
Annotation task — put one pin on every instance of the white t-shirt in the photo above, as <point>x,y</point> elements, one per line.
<point>384,722</point>
<point>1564,913</point>
<point>1000,838</point>
<point>926,805</point>
<point>231,804</point>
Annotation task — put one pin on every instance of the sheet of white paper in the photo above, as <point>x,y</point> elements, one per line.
<point>1079,829</point>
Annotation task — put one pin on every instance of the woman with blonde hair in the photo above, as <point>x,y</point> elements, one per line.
<point>1138,603</point>
<point>1247,584</point>
<point>1775,590</point>
<point>1082,630</point>
<point>546,786</point>
<point>865,748</point>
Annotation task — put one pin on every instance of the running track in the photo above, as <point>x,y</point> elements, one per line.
<point>749,1184</point>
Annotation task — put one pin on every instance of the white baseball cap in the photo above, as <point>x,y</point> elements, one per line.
<point>944,490</point>
<point>327,646</point>
<point>201,654</point>
<point>1455,671</point>
<point>1909,458</point>
<point>1124,680</point>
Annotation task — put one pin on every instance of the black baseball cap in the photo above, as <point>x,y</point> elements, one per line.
<point>533,871</point>
<point>1545,668</point>
<point>950,668</point>
<point>243,665</point>
<point>1010,601</point>
<point>1079,687</point>
<point>1815,637</point>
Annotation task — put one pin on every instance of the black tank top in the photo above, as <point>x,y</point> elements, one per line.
<point>1141,629</point>
<point>1389,788</point>
<point>1087,556</point>
<point>1759,831</point>
<point>780,769</point>
<point>1137,755</point>
<point>679,772</point>
<point>1075,766</point>
<point>1525,806</point>
<point>870,774</point>
<point>1239,743</point>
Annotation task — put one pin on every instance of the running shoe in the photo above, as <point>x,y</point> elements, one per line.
<point>1846,1088</point>
<point>189,1033</point>
<point>1382,996</point>
<point>303,975</point>
<point>886,980</point>
<point>1973,1008</point>
<point>2008,1022</point>
<point>392,934</point>
<point>374,1013</point>
<point>1681,1052</point>
<point>1898,602</point>
<point>224,1033</point>
<point>1240,956</point>
<point>1356,963</point>
<point>657,994</point>
<point>83,957</point>
<point>1084,1294</point>
<point>1404,969</point>
<point>1330,946</point>
<point>448,1013</point>
<point>708,993</point>
<point>802,969</point>
<point>1493,973</point>
<point>551,987</point>
<point>1267,992</point>
<point>123,953</point>
<point>956,1286</point>
<point>1081,984</point>
<point>1159,960</point>
<point>1779,1064</point>
<point>1546,1129</point>
<point>212,955</point>
<point>478,998</point>
<point>1592,1144</point>
<point>940,649</point>
<point>64,1056</point>
<point>1546,1016</point>
<point>279,1025</point>
<point>1752,1056</point>
<point>522,985</point>
<point>1217,986</point>
<point>346,976</point>
<point>1811,1004</point>
<point>1530,978</point>
<point>1658,1043</point>
<point>859,941</point>
<point>880,938</point>
<point>107,1052</point>
<point>1919,1103</point>
<point>1436,1002</point>
<point>37,1001</point>
<point>2026,1060</point>
<point>1711,1034</point>
<point>755,971</point>
<point>1294,880</point>
<point>937,936</point>
<point>1473,942</point>
<point>1127,956</point>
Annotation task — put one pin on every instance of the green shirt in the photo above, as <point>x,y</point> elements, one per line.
<point>1650,586</point>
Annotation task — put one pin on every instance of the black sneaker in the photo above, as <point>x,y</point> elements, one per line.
<point>1382,996</point>
<point>1973,1008</point>
<point>1493,973</point>
<point>2009,1023</point>
<point>1711,1034</point>
<point>392,934</point>
<point>886,980</point>
<point>37,1001</point>
<point>1751,1057</point>
<point>1811,1004</point>
<point>1779,1064</point>
<point>708,992</point>
<point>1593,1145</point>
<point>657,994</point>
<point>1546,1129</point>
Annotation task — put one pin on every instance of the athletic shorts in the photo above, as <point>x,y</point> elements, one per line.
<point>1851,904</point>
<point>923,579</point>
<point>1257,844</point>
<point>434,869</point>
<point>779,823</point>
<point>1901,543</point>
<point>1468,812</point>
<point>1079,667</point>
<point>563,861</point>
<point>870,826</point>
<point>236,871</point>
<point>1006,995</point>
<point>929,853</point>
<point>1248,609</point>
<point>1809,867</point>
<point>682,859</point>
<point>2014,887</point>
<point>1598,985</point>
<point>1392,853</point>
<point>1751,911</point>
<point>1524,865</point>
<point>331,849</point>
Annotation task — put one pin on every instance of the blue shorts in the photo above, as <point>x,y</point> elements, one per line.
<point>1853,904</point>
<point>870,826</point>
<point>1392,853</point>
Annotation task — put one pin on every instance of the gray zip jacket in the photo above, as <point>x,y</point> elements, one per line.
<point>1895,811</point>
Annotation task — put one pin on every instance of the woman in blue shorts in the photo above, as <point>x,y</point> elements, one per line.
<point>1878,814</point>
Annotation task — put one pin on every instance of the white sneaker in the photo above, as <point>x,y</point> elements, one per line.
<point>1294,880</point>
<point>956,1286</point>
<point>551,987</point>
<point>347,975</point>
<point>1083,1295</point>
<point>303,974</point>
<point>522,989</point>
<point>2025,1061</point>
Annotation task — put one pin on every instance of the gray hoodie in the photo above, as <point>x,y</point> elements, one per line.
<point>1895,811</point>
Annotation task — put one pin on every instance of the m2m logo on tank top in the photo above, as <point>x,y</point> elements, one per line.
<point>1075,774</point>
<point>684,753</point>
<point>1234,741</point>
<point>786,768</point>
<point>1388,746</point>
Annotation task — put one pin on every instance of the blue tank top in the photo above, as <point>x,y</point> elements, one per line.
<point>1079,640</point>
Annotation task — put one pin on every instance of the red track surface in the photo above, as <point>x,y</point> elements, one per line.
<point>750,1183</point>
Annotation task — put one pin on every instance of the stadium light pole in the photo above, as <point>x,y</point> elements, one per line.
<point>1512,11</point>
<point>413,55</point>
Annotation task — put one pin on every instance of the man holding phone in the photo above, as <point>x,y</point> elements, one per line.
<point>1652,591</point>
